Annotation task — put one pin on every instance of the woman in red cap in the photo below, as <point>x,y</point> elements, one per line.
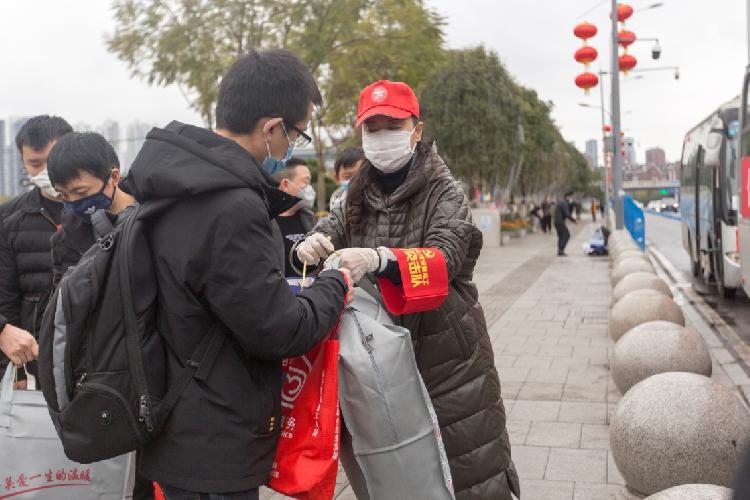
<point>404,197</point>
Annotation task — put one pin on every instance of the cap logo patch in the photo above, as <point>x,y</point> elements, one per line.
<point>379,94</point>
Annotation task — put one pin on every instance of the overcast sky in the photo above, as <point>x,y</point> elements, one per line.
<point>53,60</point>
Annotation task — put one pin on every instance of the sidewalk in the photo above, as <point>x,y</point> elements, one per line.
<point>547,317</point>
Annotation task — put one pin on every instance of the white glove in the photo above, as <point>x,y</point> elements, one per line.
<point>315,247</point>
<point>359,261</point>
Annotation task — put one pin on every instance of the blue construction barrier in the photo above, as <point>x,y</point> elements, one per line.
<point>635,221</point>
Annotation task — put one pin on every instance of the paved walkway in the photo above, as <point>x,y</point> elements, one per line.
<point>547,318</point>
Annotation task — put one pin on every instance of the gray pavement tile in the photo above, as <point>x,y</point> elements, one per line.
<point>554,434</point>
<point>583,412</point>
<point>577,465</point>
<point>589,491</point>
<point>536,489</point>
<point>529,361</point>
<point>602,342</point>
<point>613,474</point>
<point>510,389</point>
<point>720,375</point>
<point>346,494</point>
<point>721,355</point>
<point>572,364</point>
<point>535,411</point>
<point>556,375</point>
<point>530,461</point>
<point>529,348</point>
<point>585,392</point>
<point>613,393</point>
<point>562,351</point>
<point>517,431</point>
<point>590,352</point>
<point>595,436</point>
<point>737,374</point>
<point>503,360</point>
<point>513,373</point>
<point>574,341</point>
<point>543,391</point>
<point>593,375</point>
<point>547,341</point>
<point>533,332</point>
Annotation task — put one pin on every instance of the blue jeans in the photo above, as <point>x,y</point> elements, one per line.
<point>172,493</point>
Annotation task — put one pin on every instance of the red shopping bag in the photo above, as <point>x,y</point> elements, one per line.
<point>424,281</point>
<point>307,457</point>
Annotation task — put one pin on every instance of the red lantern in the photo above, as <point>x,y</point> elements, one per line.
<point>607,128</point>
<point>624,11</point>
<point>586,55</point>
<point>586,81</point>
<point>627,62</point>
<point>584,31</point>
<point>626,38</point>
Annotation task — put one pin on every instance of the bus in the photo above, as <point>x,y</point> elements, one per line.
<point>709,199</point>
<point>743,163</point>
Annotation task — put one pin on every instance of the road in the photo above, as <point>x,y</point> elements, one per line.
<point>665,235</point>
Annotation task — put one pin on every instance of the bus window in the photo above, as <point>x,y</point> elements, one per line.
<point>733,179</point>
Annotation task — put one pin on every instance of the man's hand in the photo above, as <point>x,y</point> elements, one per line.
<point>359,261</point>
<point>19,345</point>
<point>315,247</point>
<point>349,285</point>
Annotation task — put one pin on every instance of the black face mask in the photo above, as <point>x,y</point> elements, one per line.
<point>85,207</point>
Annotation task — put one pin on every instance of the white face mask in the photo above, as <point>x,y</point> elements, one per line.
<point>41,180</point>
<point>388,150</point>
<point>307,194</point>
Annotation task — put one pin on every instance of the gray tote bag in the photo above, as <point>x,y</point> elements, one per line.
<point>33,465</point>
<point>386,409</point>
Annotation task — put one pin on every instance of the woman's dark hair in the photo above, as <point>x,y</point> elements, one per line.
<point>78,152</point>
<point>347,158</point>
<point>40,130</point>
<point>272,82</point>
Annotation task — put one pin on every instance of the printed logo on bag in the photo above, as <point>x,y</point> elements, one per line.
<point>379,94</point>
<point>19,484</point>
<point>297,370</point>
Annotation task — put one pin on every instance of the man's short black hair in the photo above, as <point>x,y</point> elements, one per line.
<point>347,158</point>
<point>77,152</point>
<point>271,82</point>
<point>296,161</point>
<point>569,193</point>
<point>40,130</point>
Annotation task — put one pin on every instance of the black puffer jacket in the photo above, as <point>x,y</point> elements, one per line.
<point>25,262</point>
<point>69,244</point>
<point>453,348</point>
<point>213,251</point>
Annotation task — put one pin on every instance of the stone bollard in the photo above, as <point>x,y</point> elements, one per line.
<point>658,347</point>
<point>625,254</point>
<point>621,247</point>
<point>639,281</point>
<point>678,428</point>
<point>694,492</point>
<point>642,306</point>
<point>628,266</point>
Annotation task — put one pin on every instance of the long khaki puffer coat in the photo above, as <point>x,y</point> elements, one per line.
<point>452,346</point>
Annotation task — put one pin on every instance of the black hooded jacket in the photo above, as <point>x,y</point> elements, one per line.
<point>214,255</point>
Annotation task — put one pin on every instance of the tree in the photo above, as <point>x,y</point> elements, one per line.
<point>345,43</point>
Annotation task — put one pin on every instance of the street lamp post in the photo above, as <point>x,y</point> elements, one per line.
<point>615,107</point>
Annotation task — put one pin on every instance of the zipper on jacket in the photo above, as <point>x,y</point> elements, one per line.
<point>46,216</point>
<point>144,413</point>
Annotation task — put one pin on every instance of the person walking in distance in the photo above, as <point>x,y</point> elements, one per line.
<point>562,212</point>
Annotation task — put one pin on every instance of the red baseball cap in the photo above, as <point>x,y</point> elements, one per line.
<point>384,97</point>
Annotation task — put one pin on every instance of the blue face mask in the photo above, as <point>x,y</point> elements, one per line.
<point>345,185</point>
<point>273,165</point>
<point>85,207</point>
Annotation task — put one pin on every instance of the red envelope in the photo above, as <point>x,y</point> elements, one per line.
<point>424,281</point>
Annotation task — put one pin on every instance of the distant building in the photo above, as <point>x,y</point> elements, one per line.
<point>657,157</point>
<point>132,142</point>
<point>630,154</point>
<point>592,153</point>
<point>110,129</point>
<point>16,177</point>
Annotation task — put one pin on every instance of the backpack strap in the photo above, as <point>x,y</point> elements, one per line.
<point>210,346</point>
<point>101,224</point>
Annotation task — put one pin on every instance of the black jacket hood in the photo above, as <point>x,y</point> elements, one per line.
<point>182,160</point>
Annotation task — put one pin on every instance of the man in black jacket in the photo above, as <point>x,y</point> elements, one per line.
<point>26,224</point>
<point>562,212</point>
<point>209,199</point>
<point>291,226</point>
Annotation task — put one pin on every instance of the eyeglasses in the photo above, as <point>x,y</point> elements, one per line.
<point>302,138</point>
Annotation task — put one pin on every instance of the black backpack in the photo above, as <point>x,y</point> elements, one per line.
<point>102,361</point>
